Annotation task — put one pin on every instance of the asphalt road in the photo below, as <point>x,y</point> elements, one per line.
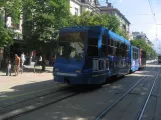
<point>87,104</point>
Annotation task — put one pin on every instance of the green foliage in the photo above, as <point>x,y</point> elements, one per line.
<point>94,19</point>
<point>42,20</point>
<point>13,9</point>
<point>6,37</point>
<point>142,44</point>
<point>8,9</point>
<point>122,33</point>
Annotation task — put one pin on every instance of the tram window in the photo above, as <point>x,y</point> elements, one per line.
<point>125,47</point>
<point>124,53</point>
<point>137,54</point>
<point>104,45</point>
<point>121,50</point>
<point>122,46</point>
<point>118,44</point>
<point>93,41</point>
<point>103,50</point>
<point>128,48</point>
<point>114,51</point>
<point>112,42</point>
<point>92,47</point>
<point>127,53</point>
<point>109,41</point>
<point>110,50</point>
<point>104,40</point>
<point>133,54</point>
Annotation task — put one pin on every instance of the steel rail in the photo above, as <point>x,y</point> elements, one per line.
<point>38,96</point>
<point>30,108</point>
<point>147,100</point>
<point>101,115</point>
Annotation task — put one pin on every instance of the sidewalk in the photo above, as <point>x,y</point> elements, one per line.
<point>49,69</point>
<point>28,70</point>
<point>27,77</point>
<point>150,61</point>
<point>23,83</point>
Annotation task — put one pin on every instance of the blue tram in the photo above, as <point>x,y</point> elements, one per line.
<point>135,58</point>
<point>142,59</point>
<point>90,55</point>
<point>159,59</point>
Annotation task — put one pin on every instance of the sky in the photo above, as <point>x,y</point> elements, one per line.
<point>139,13</point>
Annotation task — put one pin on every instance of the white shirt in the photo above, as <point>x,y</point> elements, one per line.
<point>22,57</point>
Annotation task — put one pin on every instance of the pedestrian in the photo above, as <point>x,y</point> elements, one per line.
<point>16,65</point>
<point>8,73</point>
<point>40,60</point>
<point>23,59</point>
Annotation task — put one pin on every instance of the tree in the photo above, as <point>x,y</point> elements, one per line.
<point>6,37</point>
<point>8,9</point>
<point>42,20</point>
<point>91,19</point>
<point>140,43</point>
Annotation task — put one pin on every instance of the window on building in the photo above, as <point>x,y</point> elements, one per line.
<point>76,11</point>
<point>124,27</point>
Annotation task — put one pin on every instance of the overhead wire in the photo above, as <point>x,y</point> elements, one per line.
<point>153,16</point>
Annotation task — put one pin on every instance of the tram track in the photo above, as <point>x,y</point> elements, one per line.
<point>31,98</point>
<point>102,114</point>
<point>141,112</point>
<point>12,114</point>
<point>18,109</point>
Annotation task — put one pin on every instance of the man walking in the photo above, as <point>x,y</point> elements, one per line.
<point>16,64</point>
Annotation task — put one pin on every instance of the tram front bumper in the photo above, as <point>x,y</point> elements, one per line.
<point>71,78</point>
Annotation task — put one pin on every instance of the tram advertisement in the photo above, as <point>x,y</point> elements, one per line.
<point>100,64</point>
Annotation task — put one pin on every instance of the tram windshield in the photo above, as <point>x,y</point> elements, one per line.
<point>72,45</point>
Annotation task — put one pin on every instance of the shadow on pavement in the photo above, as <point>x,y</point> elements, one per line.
<point>80,107</point>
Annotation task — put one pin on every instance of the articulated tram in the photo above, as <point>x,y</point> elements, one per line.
<point>91,55</point>
<point>159,59</point>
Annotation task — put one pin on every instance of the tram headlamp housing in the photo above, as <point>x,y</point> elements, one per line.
<point>78,71</point>
<point>56,69</point>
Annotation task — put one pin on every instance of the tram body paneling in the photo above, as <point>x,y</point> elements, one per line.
<point>142,59</point>
<point>159,59</point>
<point>90,55</point>
<point>135,58</point>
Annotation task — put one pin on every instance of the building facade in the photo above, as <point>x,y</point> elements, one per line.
<point>143,36</point>
<point>125,24</point>
<point>140,35</point>
<point>77,7</point>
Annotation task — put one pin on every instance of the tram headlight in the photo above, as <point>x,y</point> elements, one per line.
<point>78,71</point>
<point>56,69</point>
